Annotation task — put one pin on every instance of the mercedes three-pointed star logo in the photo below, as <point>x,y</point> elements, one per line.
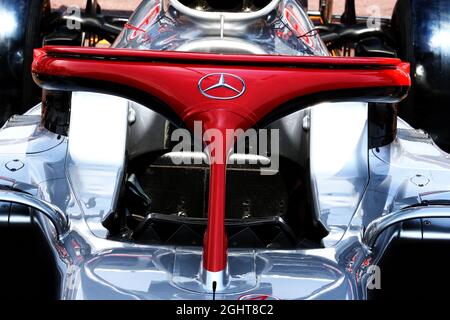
<point>222,86</point>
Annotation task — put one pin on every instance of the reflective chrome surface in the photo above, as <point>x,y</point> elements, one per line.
<point>94,267</point>
<point>221,78</point>
<point>376,227</point>
<point>96,154</point>
<point>58,218</point>
<point>339,163</point>
<point>281,27</point>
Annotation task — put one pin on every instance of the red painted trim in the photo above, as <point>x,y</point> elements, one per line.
<point>148,20</point>
<point>173,77</point>
<point>297,26</point>
<point>92,53</point>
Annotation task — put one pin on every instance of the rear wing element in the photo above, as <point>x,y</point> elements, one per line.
<point>223,92</point>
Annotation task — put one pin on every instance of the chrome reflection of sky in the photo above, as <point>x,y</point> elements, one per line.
<point>440,37</point>
<point>8,24</point>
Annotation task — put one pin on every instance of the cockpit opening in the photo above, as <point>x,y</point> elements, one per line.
<point>226,6</point>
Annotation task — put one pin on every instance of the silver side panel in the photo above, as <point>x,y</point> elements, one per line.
<point>339,163</point>
<point>96,154</point>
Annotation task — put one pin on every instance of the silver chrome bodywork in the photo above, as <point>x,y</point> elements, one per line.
<point>95,267</point>
<point>358,192</point>
<point>187,29</point>
<point>58,218</point>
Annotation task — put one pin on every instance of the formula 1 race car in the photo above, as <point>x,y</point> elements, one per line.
<point>219,151</point>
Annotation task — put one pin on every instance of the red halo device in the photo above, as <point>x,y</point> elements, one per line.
<point>223,92</point>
